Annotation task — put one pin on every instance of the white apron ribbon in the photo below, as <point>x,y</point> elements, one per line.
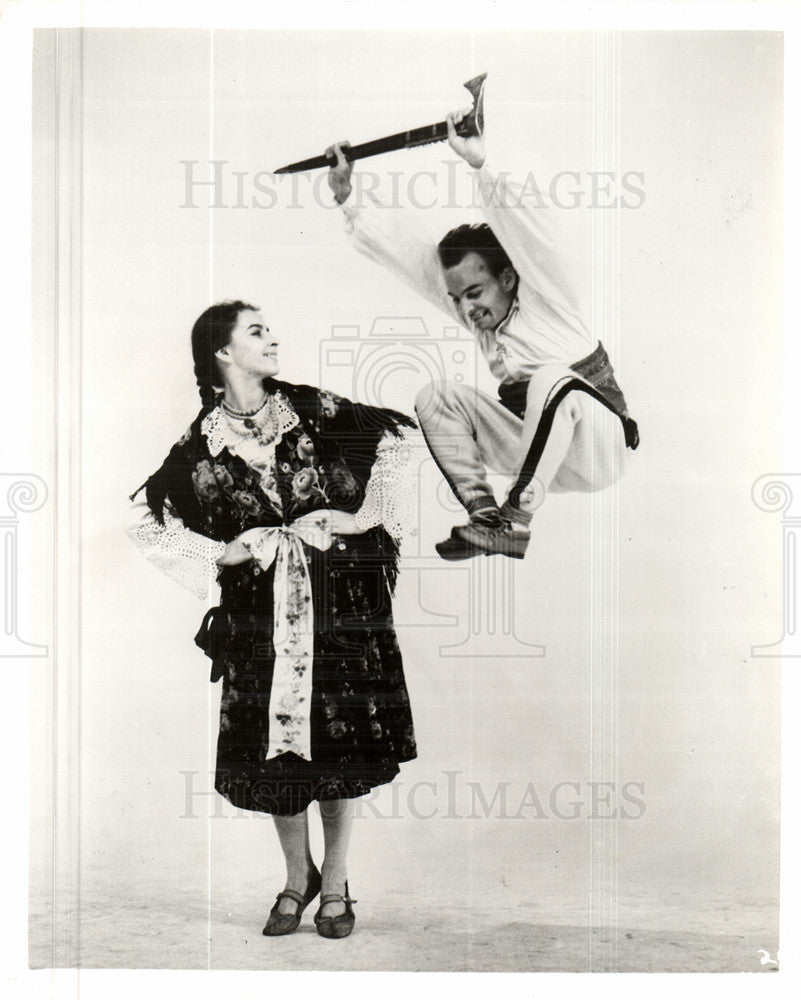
<point>293,629</point>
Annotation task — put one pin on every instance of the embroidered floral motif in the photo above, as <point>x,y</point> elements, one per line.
<point>229,481</point>
<point>224,478</point>
<point>343,488</point>
<point>205,481</point>
<point>306,483</point>
<point>329,404</point>
<point>305,449</point>
<point>246,500</point>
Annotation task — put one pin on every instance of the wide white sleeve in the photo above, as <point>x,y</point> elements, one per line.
<point>391,498</point>
<point>183,555</point>
<point>528,229</point>
<point>386,235</point>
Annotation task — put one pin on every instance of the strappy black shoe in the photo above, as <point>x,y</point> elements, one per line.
<point>341,925</point>
<point>285,923</point>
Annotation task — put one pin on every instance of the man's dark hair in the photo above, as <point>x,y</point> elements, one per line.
<point>479,238</point>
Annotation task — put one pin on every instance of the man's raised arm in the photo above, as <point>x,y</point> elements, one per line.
<point>525,226</point>
<point>385,235</point>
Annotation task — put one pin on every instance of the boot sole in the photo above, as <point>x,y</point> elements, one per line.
<point>468,552</point>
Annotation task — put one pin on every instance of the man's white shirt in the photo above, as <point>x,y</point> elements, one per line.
<point>545,324</point>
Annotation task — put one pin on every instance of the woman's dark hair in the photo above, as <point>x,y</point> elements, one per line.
<point>212,330</point>
<point>478,238</point>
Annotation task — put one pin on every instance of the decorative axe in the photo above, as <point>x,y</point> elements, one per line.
<point>471,124</point>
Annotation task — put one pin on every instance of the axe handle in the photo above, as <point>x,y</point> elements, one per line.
<point>401,140</point>
<point>470,125</point>
<point>407,140</point>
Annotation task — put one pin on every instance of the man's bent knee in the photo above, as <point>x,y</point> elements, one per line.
<point>431,399</point>
<point>544,382</point>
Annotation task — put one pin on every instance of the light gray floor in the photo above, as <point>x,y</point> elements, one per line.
<point>405,924</point>
<point>393,934</point>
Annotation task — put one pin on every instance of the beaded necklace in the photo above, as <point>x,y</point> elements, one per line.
<point>261,423</point>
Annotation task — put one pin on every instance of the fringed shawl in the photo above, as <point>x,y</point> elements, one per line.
<point>343,434</point>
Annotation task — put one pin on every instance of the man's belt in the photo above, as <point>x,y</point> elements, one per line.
<point>596,368</point>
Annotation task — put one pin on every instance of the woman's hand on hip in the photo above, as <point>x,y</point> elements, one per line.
<point>238,551</point>
<point>338,522</point>
<point>343,523</point>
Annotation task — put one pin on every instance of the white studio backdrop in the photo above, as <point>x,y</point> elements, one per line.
<point>698,352</point>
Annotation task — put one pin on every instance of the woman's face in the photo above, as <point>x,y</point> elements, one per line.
<point>251,350</point>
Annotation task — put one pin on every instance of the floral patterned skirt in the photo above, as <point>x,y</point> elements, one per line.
<point>360,719</point>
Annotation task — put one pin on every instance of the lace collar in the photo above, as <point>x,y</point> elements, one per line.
<point>219,433</point>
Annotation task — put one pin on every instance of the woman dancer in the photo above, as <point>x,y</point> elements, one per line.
<point>291,496</point>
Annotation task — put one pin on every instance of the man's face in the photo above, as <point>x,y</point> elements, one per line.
<point>481,299</point>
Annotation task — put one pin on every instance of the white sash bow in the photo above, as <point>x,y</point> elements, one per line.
<point>293,629</point>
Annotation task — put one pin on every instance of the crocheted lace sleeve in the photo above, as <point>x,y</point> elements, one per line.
<point>183,555</point>
<point>391,496</point>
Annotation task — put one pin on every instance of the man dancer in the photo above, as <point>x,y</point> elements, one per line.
<point>560,422</point>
